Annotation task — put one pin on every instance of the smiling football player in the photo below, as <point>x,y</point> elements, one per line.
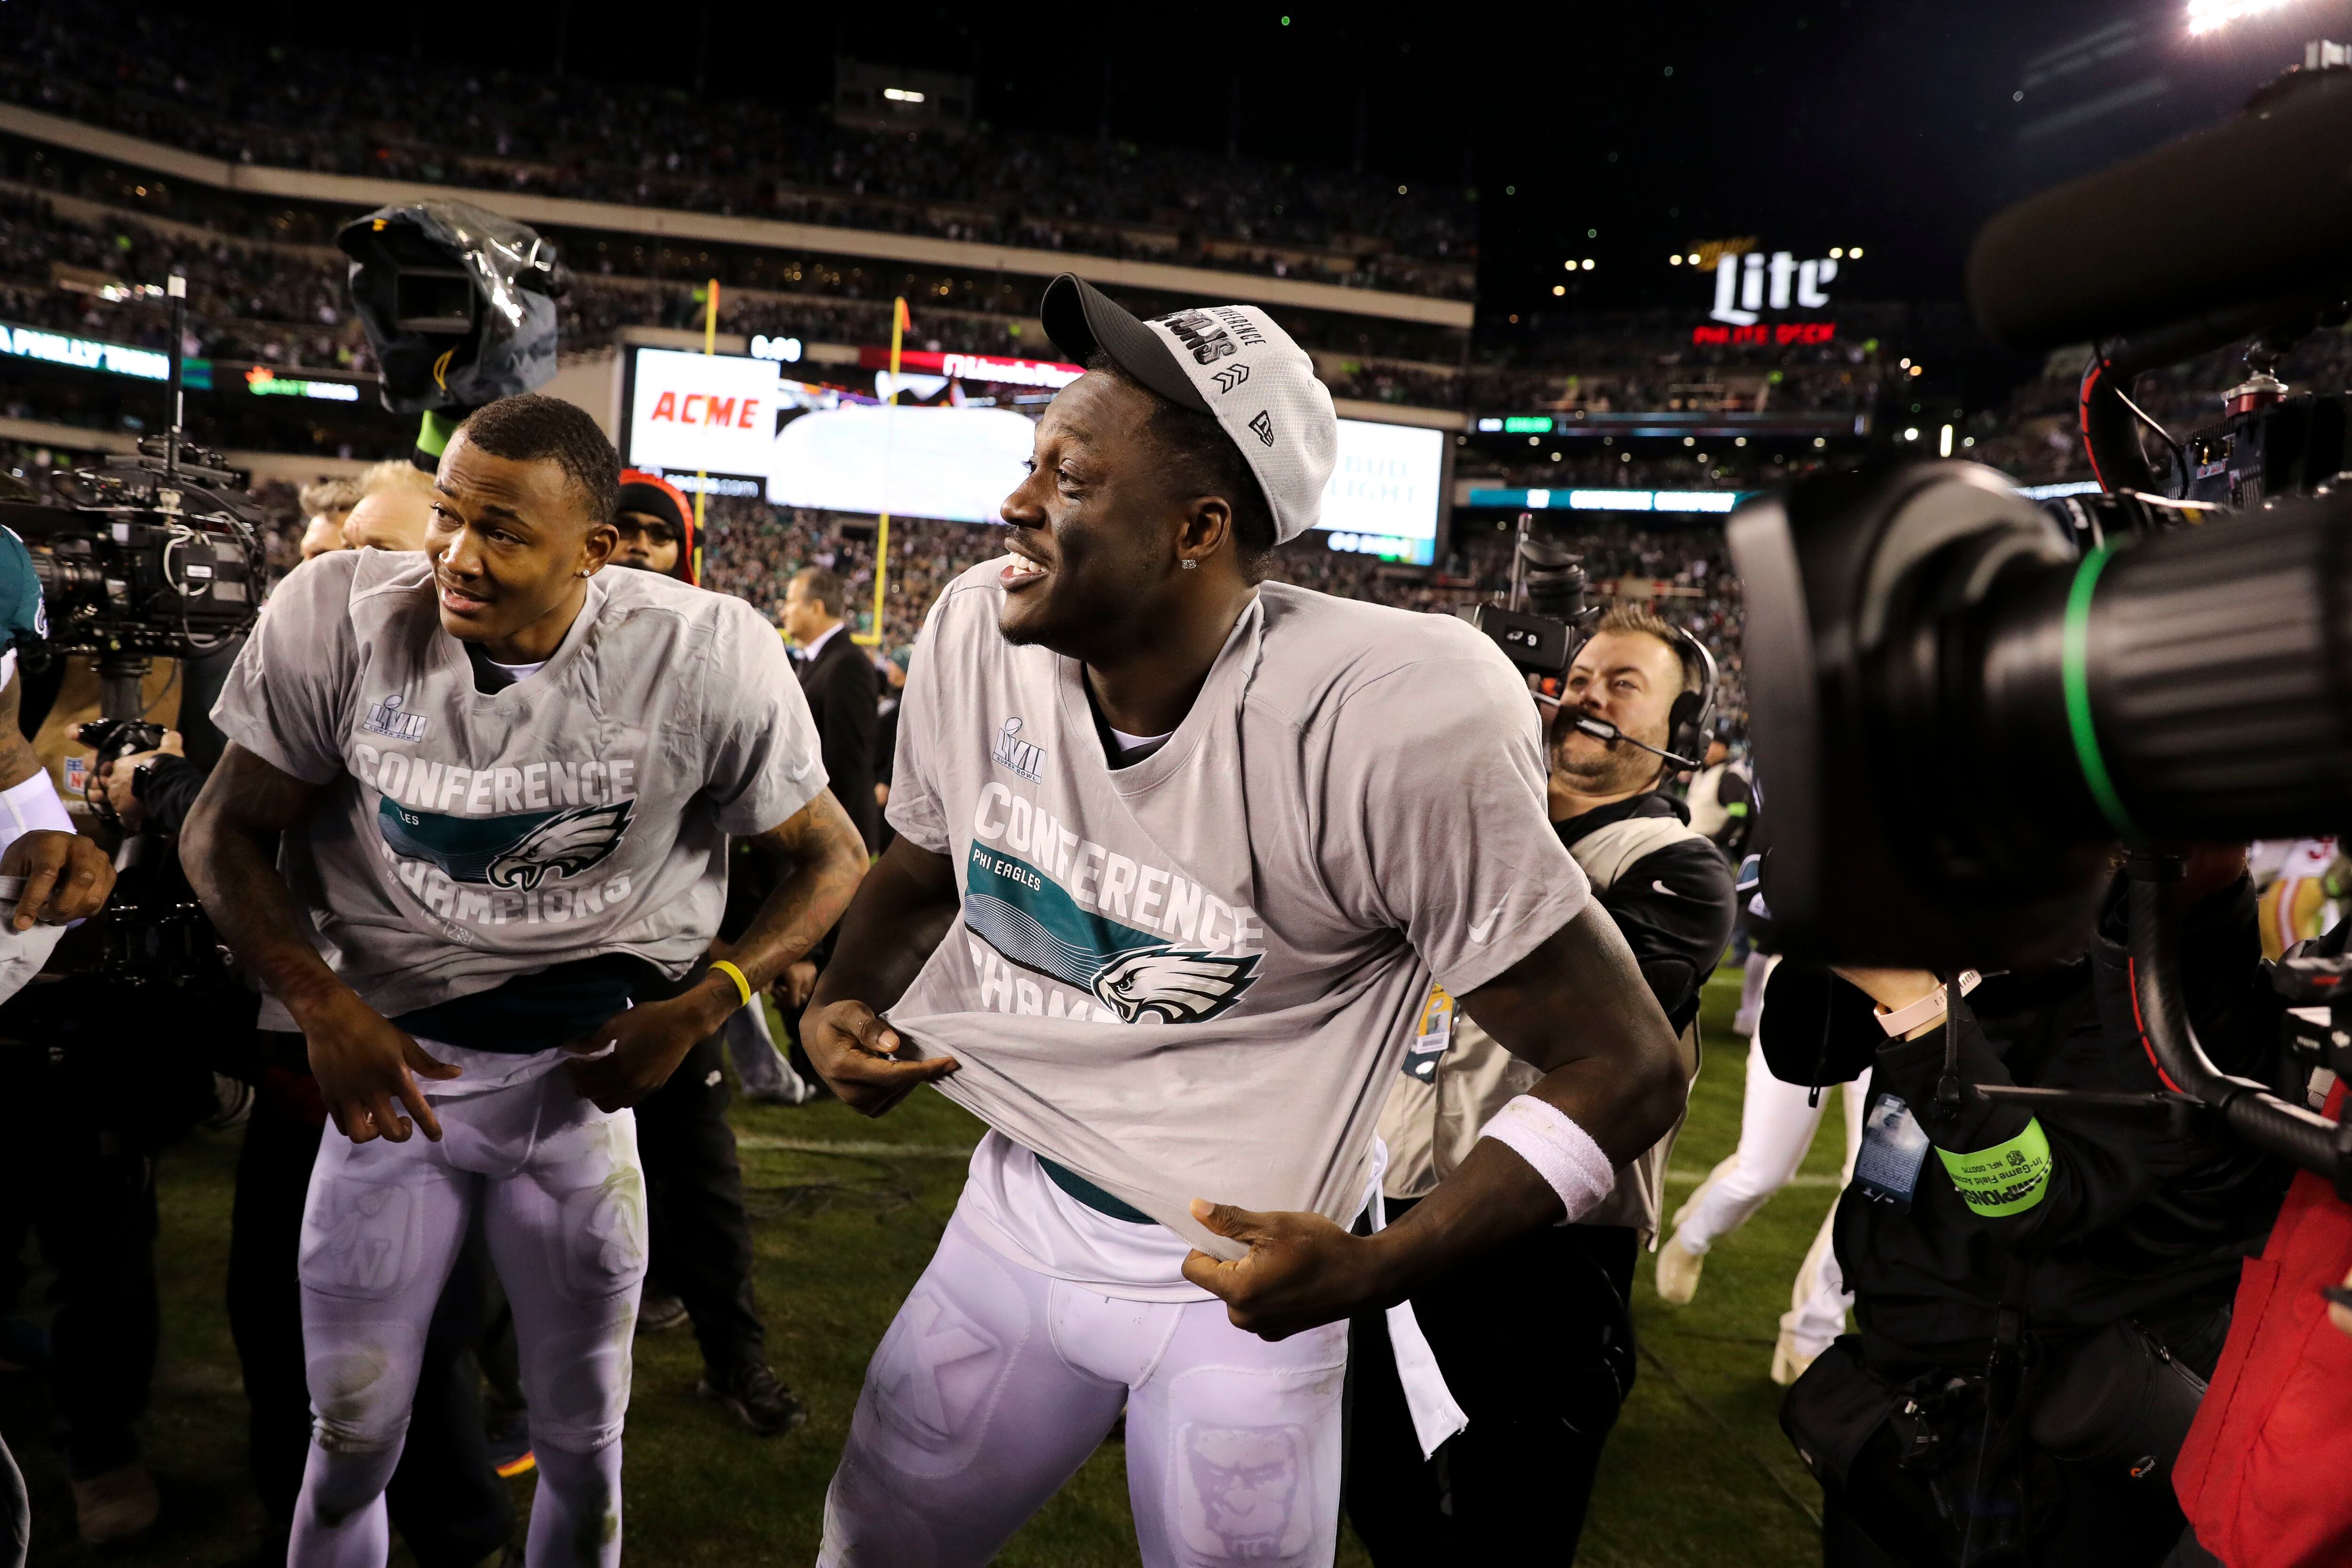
<point>1178,854</point>
<point>505,780</point>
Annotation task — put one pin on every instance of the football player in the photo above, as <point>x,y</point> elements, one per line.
<point>506,780</point>
<point>1178,854</point>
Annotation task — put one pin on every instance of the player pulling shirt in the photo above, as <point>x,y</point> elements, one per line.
<point>499,866</point>
<point>1188,978</point>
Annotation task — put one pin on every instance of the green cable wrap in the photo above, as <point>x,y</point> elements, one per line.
<point>2075,678</point>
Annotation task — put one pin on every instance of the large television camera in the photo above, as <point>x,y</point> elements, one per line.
<point>155,554</point>
<point>458,303</point>
<point>1962,705</point>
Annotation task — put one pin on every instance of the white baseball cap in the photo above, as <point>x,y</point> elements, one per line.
<point>1229,361</point>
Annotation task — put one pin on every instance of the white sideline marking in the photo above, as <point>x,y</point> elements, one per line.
<point>867,1146</point>
<point>1692,1178</point>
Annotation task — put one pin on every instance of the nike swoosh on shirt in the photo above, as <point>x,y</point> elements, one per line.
<point>1481,930</point>
<point>1664,888</point>
<point>803,771</point>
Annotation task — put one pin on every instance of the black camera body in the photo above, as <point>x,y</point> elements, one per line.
<point>143,562</point>
<point>1544,624</point>
<point>148,556</point>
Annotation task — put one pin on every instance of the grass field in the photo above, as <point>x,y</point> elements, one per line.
<point>847,1212</point>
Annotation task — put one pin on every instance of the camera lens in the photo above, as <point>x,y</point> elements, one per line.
<point>1956,715</point>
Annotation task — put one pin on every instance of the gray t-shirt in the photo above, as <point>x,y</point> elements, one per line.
<point>459,838</point>
<point>1354,802</point>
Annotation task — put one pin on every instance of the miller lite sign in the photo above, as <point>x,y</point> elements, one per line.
<point>1746,285</point>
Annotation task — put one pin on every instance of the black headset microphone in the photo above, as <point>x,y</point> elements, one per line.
<point>1686,722</point>
<point>1602,729</point>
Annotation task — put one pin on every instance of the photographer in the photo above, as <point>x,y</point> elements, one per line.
<point>1523,1468</point>
<point>2031,1299</point>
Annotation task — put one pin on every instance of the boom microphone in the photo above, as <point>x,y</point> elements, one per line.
<point>2257,209</point>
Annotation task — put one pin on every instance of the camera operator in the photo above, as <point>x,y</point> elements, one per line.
<point>2032,1300</point>
<point>1522,1471</point>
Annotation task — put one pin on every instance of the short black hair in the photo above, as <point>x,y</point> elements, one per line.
<point>530,428</point>
<point>825,587</point>
<point>1206,462</point>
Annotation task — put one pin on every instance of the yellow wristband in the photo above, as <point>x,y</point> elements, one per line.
<point>742,986</point>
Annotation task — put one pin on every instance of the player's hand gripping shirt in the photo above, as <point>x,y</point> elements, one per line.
<point>1195,976</point>
<point>462,837</point>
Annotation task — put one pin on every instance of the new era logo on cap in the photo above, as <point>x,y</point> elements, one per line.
<point>1286,429</point>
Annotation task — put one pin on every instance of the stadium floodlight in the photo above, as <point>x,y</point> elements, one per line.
<point>901,95</point>
<point>2206,15</point>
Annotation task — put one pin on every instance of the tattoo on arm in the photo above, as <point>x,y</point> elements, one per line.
<point>827,857</point>
<point>229,849</point>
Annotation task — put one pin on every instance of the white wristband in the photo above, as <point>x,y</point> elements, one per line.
<point>1563,1154</point>
<point>30,805</point>
<point>1910,1015</point>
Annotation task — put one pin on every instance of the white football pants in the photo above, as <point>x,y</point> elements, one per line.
<point>1776,1129</point>
<point>994,1383</point>
<point>561,1199</point>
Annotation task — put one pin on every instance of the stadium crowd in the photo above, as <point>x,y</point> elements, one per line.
<point>2133,1235</point>
<point>645,146</point>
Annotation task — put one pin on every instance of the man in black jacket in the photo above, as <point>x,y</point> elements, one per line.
<point>1522,1471</point>
<point>841,687</point>
<point>2008,1268</point>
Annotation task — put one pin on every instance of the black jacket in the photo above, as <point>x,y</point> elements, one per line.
<point>842,691</point>
<point>1674,904</point>
<point>2132,1219</point>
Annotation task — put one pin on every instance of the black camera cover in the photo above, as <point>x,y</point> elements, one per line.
<point>458,303</point>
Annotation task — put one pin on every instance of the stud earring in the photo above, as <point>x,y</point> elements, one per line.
<point>1190,565</point>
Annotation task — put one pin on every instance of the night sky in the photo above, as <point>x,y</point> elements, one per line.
<point>1896,125</point>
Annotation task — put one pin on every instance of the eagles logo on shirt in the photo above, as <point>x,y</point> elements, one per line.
<point>1139,975</point>
<point>519,851</point>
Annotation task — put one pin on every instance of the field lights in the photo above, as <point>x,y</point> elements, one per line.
<point>2206,15</point>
